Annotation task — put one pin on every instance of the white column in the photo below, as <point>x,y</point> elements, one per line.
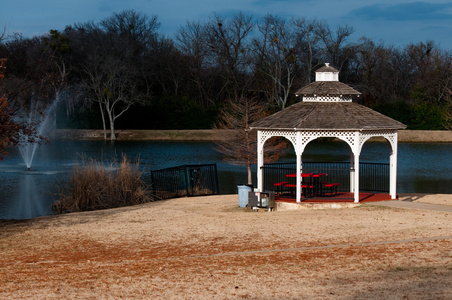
<point>393,169</point>
<point>298,170</point>
<point>356,153</point>
<point>260,161</point>
<point>356,179</point>
<point>352,172</point>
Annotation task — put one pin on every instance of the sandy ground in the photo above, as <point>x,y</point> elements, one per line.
<point>427,198</point>
<point>209,248</point>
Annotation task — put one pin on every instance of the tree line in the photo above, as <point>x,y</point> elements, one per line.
<point>121,73</point>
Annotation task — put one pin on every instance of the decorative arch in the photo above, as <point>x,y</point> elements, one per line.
<point>389,135</point>
<point>268,134</point>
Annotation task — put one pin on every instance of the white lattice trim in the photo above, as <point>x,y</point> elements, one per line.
<point>326,98</point>
<point>290,135</point>
<point>300,139</point>
<point>355,139</point>
<point>389,134</point>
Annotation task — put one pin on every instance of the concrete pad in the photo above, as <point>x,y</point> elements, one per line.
<point>283,206</point>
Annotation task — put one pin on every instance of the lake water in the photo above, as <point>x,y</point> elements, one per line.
<point>422,168</point>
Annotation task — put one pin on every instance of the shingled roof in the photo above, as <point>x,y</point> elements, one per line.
<point>329,88</point>
<point>327,116</point>
<point>326,109</point>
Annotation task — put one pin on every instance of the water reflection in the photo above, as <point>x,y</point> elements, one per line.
<point>30,202</point>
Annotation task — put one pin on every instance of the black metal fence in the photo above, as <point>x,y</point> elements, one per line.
<point>373,177</point>
<point>186,180</point>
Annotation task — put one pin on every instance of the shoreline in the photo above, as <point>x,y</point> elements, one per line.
<point>404,136</point>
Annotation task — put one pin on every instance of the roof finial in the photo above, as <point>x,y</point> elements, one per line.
<point>327,64</point>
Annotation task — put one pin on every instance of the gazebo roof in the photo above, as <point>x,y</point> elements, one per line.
<point>329,88</point>
<point>327,106</point>
<point>327,116</point>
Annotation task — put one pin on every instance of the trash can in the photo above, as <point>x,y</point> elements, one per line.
<point>264,200</point>
<point>244,189</point>
<point>253,199</point>
<point>269,201</point>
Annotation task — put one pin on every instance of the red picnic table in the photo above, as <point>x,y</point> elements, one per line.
<point>312,187</point>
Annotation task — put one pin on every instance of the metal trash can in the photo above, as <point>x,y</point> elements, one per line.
<point>243,190</point>
<point>264,200</point>
<point>253,199</point>
<point>261,200</point>
<point>268,200</point>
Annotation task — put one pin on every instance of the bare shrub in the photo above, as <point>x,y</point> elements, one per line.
<point>94,186</point>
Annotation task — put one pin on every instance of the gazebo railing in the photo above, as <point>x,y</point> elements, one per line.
<point>374,177</point>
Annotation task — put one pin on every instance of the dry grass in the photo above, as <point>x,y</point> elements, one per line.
<point>94,186</point>
<point>208,248</point>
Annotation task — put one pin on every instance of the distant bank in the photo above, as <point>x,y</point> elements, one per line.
<point>421,136</point>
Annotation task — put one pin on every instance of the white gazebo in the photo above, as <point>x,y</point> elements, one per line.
<point>327,110</point>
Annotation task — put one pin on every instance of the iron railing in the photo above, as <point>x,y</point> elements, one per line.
<point>373,177</point>
<point>186,180</point>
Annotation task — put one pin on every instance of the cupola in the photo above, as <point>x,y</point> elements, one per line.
<point>327,73</point>
<point>327,87</point>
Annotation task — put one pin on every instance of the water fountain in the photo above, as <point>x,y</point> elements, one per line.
<point>43,121</point>
<point>31,196</point>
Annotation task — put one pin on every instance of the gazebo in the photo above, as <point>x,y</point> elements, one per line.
<point>327,110</point>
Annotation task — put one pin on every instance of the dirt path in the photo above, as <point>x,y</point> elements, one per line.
<point>209,248</point>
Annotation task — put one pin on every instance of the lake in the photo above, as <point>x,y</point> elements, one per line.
<point>422,167</point>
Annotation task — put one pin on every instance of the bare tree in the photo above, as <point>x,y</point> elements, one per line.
<point>277,57</point>
<point>238,143</point>
<point>217,55</point>
<point>431,70</point>
<point>307,43</point>
<point>57,49</point>
<point>192,43</point>
<point>336,50</point>
<point>137,29</point>
<point>448,111</point>
<point>227,41</point>
<point>166,67</point>
<point>112,84</point>
<point>113,65</point>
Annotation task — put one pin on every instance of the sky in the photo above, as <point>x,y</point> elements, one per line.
<point>394,22</point>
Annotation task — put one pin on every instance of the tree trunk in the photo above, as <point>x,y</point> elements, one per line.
<point>103,120</point>
<point>112,130</point>
<point>248,148</point>
<point>250,177</point>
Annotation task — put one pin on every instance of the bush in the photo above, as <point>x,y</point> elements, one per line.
<point>417,116</point>
<point>425,116</point>
<point>94,186</point>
